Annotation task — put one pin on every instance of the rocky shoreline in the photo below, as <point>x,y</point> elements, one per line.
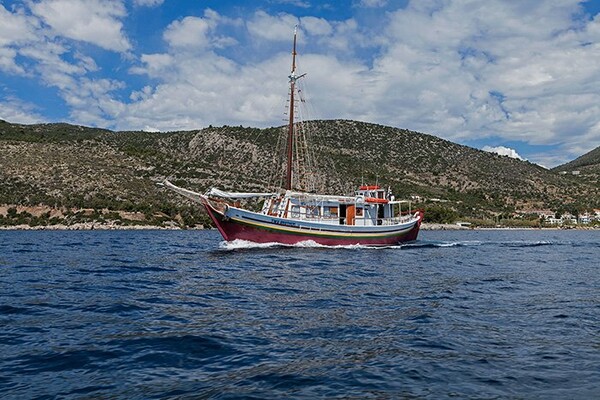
<point>90,226</point>
<point>443,227</point>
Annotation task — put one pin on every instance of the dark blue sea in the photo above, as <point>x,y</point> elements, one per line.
<point>179,315</point>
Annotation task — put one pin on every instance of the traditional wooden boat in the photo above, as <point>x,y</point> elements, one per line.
<point>371,216</point>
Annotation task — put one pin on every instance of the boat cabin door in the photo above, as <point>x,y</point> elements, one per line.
<point>347,214</point>
<point>380,214</point>
<point>342,214</point>
<point>350,214</point>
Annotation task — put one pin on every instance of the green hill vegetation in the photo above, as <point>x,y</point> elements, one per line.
<point>60,173</point>
<point>586,167</point>
<point>588,160</point>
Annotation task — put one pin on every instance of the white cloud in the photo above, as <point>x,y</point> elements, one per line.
<point>316,26</point>
<point>54,71</point>
<point>15,28</point>
<point>503,151</point>
<point>148,3</point>
<point>189,33</point>
<point>155,65</point>
<point>48,57</point>
<point>34,50</point>
<point>198,33</point>
<point>143,94</point>
<point>15,110</point>
<point>86,62</point>
<point>209,89</point>
<point>272,27</point>
<point>92,101</point>
<point>7,61</point>
<point>150,129</point>
<point>198,87</point>
<point>93,21</point>
<point>297,3</point>
<point>372,3</point>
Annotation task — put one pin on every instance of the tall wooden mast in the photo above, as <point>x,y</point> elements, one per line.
<point>290,138</point>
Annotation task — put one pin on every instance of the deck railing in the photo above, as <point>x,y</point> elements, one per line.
<point>358,221</point>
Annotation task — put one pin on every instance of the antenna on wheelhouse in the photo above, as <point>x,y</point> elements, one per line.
<point>290,138</point>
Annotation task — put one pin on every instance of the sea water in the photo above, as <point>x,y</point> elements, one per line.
<point>179,314</point>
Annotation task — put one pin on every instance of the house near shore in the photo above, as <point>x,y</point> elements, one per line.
<point>543,214</point>
<point>586,218</point>
<point>589,217</point>
<point>550,217</point>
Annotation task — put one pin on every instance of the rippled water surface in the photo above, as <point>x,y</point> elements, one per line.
<point>156,314</point>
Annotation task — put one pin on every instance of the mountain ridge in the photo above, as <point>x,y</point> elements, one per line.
<point>585,167</point>
<point>72,166</point>
<point>588,161</point>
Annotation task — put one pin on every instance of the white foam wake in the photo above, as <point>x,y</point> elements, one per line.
<point>239,244</point>
<point>245,244</point>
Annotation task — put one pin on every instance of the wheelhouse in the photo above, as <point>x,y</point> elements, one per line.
<point>371,205</point>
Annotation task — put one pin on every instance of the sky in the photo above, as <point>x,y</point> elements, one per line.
<point>519,77</point>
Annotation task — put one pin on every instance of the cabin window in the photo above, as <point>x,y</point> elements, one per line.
<point>359,211</point>
<point>312,211</point>
<point>330,211</point>
<point>295,212</point>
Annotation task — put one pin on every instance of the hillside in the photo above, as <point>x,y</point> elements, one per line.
<point>587,167</point>
<point>591,159</point>
<point>93,173</point>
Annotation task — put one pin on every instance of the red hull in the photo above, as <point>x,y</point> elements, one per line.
<point>232,230</point>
